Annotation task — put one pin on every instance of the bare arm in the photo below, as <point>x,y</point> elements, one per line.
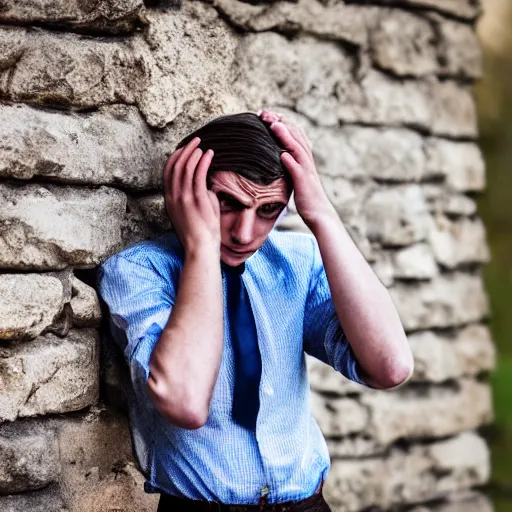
<point>186,359</point>
<point>363,305</point>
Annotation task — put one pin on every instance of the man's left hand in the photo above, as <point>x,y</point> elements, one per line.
<point>310,198</point>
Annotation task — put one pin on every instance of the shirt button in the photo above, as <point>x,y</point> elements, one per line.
<point>268,390</point>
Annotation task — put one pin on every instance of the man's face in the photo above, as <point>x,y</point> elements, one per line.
<point>247,213</point>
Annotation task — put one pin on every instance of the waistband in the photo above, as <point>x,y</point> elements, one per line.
<point>170,503</point>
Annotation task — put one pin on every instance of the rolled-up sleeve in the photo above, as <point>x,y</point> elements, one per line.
<point>323,335</point>
<point>140,301</point>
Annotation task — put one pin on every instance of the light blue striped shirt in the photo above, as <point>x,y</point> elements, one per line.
<point>287,456</point>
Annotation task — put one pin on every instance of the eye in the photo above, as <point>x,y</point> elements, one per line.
<point>270,210</point>
<point>227,203</point>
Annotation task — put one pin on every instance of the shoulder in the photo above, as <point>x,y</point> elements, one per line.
<point>162,256</point>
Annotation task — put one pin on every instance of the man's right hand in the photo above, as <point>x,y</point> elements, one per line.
<point>194,210</point>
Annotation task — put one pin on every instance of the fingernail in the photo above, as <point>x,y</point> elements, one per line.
<point>259,112</point>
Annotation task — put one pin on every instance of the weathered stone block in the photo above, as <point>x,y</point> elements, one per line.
<point>438,358</point>
<point>29,303</point>
<point>413,262</point>
<point>442,201</point>
<point>47,500</point>
<point>357,152</point>
<point>66,69</point>
<point>460,163</point>
<point>330,20</point>
<point>152,69</point>
<point>189,78</point>
<point>98,471</point>
<point>466,9</point>
<point>466,501</point>
<point>459,49</point>
<point>112,146</point>
<point>402,43</point>
<point>79,227</point>
<point>448,300</point>
<point>437,412</point>
<point>459,242</point>
<point>49,375</point>
<point>29,457</point>
<point>338,416</point>
<point>112,16</point>
<point>85,305</point>
<point>397,216</point>
<point>411,476</point>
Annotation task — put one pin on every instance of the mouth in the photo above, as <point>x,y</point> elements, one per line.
<point>238,253</point>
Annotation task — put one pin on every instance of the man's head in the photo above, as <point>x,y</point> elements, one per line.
<point>251,183</point>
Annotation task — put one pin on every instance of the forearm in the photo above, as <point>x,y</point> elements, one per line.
<point>364,307</point>
<point>185,362</point>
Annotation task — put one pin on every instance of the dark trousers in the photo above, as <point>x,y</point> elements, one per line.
<point>315,503</point>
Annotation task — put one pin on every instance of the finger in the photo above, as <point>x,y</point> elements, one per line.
<point>169,165</point>
<point>301,137</point>
<point>290,143</point>
<point>187,183</point>
<point>269,117</point>
<point>214,201</point>
<point>292,166</point>
<point>180,164</point>
<point>200,184</point>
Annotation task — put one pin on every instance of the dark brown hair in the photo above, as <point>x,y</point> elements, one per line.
<point>244,144</point>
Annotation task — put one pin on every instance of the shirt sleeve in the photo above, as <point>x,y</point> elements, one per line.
<point>323,335</point>
<point>140,301</point>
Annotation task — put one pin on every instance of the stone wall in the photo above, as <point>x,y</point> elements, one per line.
<point>94,95</point>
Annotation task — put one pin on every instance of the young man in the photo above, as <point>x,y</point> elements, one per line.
<point>215,318</point>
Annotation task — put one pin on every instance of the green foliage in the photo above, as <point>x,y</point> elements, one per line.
<point>494,96</point>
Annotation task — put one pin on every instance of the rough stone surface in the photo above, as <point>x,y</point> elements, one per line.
<point>461,502</point>
<point>460,163</point>
<point>402,43</point>
<point>29,303</point>
<point>454,204</point>
<point>29,457</point>
<point>47,500</point>
<point>112,16</point>
<point>85,305</point>
<point>398,216</point>
<point>448,300</point>
<point>340,416</point>
<point>328,20</point>
<point>98,467</point>
<point>466,9</point>
<point>459,242</point>
<point>438,412</point>
<point>49,375</point>
<point>421,473</point>
<point>79,227</point>
<point>459,49</point>
<point>150,69</point>
<point>438,358</point>
<point>330,88</point>
<point>392,155</point>
<point>113,146</point>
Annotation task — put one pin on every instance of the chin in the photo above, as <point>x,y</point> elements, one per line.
<point>232,259</point>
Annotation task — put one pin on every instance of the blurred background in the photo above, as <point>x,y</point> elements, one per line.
<point>494,98</point>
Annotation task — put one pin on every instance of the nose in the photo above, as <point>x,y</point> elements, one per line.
<point>242,231</point>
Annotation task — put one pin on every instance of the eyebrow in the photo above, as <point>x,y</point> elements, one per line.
<point>225,195</point>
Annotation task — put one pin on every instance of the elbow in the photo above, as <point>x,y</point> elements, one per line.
<point>392,375</point>
<point>398,373</point>
<point>183,413</point>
